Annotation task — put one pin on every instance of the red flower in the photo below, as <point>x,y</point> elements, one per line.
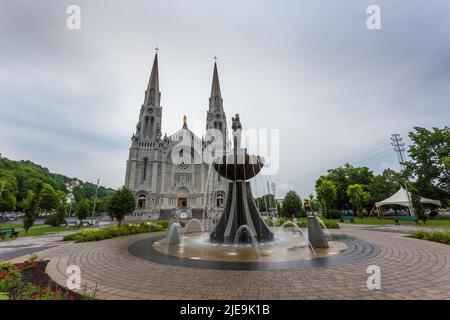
<point>71,297</point>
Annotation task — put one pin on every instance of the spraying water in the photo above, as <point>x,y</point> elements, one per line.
<point>296,227</point>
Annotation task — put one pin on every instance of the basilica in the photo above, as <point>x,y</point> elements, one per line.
<point>170,175</point>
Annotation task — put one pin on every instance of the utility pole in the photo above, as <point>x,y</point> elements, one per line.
<point>399,148</point>
<point>95,200</point>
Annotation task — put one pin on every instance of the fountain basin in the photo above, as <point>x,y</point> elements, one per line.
<point>238,167</point>
<point>288,246</point>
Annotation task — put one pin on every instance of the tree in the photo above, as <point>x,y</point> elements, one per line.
<point>82,209</point>
<point>121,203</point>
<point>343,177</point>
<point>292,205</point>
<point>326,194</point>
<point>31,207</point>
<point>416,204</point>
<point>429,162</point>
<point>8,190</point>
<point>266,202</point>
<point>49,198</point>
<point>358,197</point>
<point>384,185</point>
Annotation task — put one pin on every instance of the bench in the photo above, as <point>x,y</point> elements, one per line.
<point>397,219</point>
<point>5,231</point>
<point>347,217</point>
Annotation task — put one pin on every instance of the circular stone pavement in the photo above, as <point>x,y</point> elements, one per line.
<point>410,269</point>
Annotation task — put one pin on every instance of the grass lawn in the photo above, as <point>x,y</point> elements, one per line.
<point>45,230</point>
<point>390,221</point>
<point>17,226</point>
<point>38,229</point>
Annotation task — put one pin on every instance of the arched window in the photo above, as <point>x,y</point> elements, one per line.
<point>144,173</point>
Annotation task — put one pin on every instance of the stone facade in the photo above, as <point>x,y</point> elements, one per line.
<point>171,175</point>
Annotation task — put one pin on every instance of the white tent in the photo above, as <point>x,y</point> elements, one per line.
<point>401,198</point>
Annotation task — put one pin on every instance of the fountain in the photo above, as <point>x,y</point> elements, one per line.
<point>173,236</point>
<point>241,237</point>
<point>240,208</point>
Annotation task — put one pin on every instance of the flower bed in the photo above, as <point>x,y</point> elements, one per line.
<point>118,231</point>
<point>28,281</point>
<point>442,236</point>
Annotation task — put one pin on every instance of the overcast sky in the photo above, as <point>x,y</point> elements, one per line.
<point>70,99</point>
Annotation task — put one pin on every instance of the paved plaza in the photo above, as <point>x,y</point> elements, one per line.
<point>410,269</point>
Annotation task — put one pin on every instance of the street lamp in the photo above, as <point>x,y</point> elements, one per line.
<point>95,200</point>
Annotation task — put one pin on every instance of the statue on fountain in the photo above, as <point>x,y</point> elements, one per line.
<point>241,220</point>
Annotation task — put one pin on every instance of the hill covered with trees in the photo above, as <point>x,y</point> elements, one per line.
<point>20,179</point>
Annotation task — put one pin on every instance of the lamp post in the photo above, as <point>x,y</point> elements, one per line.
<point>95,200</point>
<point>70,195</point>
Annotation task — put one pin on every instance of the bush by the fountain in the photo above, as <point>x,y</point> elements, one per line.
<point>329,224</point>
<point>117,231</point>
<point>280,222</point>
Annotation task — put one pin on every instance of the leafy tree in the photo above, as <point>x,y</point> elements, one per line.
<point>49,198</point>
<point>342,178</point>
<point>121,203</point>
<point>358,197</point>
<point>8,190</point>
<point>265,202</point>
<point>292,205</point>
<point>326,194</point>
<point>82,209</point>
<point>416,204</point>
<point>31,208</point>
<point>384,185</point>
<point>86,190</point>
<point>429,162</point>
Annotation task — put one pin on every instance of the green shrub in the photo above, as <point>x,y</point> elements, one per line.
<point>329,224</point>
<point>113,232</point>
<point>163,223</point>
<point>55,220</point>
<point>442,236</point>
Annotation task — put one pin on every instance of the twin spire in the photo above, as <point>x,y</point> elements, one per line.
<point>153,95</point>
<point>215,88</point>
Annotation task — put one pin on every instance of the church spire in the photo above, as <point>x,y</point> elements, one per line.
<point>215,88</point>
<point>152,95</point>
<point>215,100</point>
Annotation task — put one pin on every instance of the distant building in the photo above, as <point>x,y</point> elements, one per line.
<point>169,174</point>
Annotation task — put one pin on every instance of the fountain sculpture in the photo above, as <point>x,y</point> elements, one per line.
<point>241,220</point>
